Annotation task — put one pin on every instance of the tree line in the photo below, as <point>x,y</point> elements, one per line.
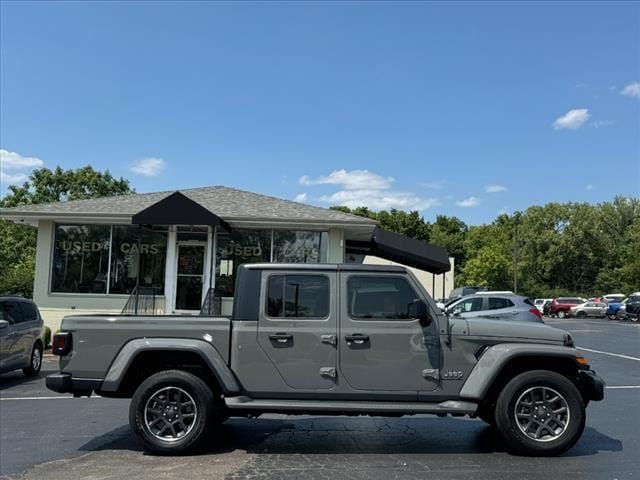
<point>557,249</point>
<point>562,248</point>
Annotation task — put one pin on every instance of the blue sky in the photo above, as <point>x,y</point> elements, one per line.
<point>465,109</point>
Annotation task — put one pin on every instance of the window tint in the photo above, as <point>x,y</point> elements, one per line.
<point>29,311</point>
<point>495,303</point>
<point>298,296</point>
<point>12,311</point>
<point>469,305</point>
<point>379,297</point>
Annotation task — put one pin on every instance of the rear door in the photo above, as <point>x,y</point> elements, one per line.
<point>500,308</point>
<point>381,346</point>
<point>297,328</point>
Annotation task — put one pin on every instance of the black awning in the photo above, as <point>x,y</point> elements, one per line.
<point>402,249</point>
<point>177,209</point>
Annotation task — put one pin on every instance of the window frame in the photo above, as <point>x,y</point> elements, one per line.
<point>295,319</point>
<point>378,275</point>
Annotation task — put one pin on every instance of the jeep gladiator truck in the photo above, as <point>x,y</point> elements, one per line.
<point>328,340</point>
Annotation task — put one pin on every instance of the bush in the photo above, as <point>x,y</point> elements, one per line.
<point>47,337</point>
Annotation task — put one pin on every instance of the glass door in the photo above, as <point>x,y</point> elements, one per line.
<point>190,275</point>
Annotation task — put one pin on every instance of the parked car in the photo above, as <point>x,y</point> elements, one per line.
<point>463,291</point>
<point>495,307</point>
<point>629,308</point>
<point>539,303</point>
<point>560,306</point>
<point>333,340</point>
<point>21,336</point>
<point>588,309</point>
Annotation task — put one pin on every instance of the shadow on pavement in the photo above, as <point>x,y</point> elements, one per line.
<point>12,379</point>
<point>338,435</point>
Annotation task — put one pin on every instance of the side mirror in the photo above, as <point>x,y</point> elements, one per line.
<point>418,309</point>
<point>3,324</point>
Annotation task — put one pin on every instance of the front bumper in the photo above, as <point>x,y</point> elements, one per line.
<point>591,385</point>
<point>65,383</point>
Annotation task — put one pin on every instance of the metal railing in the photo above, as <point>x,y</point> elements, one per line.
<point>142,301</point>
<point>212,305</point>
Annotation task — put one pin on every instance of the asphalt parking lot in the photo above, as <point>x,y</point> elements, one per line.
<point>49,436</point>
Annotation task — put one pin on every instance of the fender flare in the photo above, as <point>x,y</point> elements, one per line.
<point>494,359</point>
<point>204,350</point>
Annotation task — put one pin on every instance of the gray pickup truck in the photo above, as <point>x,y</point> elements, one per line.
<point>329,340</point>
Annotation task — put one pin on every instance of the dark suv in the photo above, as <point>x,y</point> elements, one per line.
<point>560,306</point>
<point>21,329</point>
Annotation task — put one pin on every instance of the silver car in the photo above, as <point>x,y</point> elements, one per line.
<point>508,307</point>
<point>21,330</point>
<point>589,309</point>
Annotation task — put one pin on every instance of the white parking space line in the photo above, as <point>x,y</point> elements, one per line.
<point>5,399</point>
<point>609,353</point>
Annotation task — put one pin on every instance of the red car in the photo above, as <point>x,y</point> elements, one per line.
<point>560,306</point>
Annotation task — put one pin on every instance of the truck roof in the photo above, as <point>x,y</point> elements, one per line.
<point>358,267</point>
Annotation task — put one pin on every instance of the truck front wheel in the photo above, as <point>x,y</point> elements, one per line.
<point>171,411</point>
<point>540,413</point>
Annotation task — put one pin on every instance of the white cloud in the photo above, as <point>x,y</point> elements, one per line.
<point>302,197</point>
<point>436,185</point>
<point>631,90</point>
<point>378,199</point>
<point>469,202</point>
<point>588,188</point>
<point>149,167</point>
<point>15,168</point>
<point>351,180</point>
<point>495,188</point>
<point>572,120</point>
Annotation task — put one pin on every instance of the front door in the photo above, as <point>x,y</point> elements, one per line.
<point>381,346</point>
<point>190,275</point>
<point>297,327</point>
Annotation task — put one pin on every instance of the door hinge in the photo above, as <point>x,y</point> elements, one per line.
<point>431,373</point>
<point>330,339</point>
<point>328,372</point>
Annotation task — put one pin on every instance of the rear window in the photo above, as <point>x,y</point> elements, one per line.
<point>496,303</point>
<point>298,296</point>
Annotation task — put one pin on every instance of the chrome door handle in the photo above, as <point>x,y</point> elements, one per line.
<point>357,338</point>
<point>281,337</point>
<point>330,339</point>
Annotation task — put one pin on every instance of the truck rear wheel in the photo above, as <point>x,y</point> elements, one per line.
<point>561,314</point>
<point>540,413</point>
<point>171,411</point>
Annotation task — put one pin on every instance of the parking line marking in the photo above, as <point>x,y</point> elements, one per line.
<point>2,399</point>
<point>621,387</point>
<point>609,353</point>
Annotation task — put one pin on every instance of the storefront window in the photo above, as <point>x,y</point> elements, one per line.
<point>124,259</point>
<point>232,250</point>
<point>81,258</point>
<point>299,246</point>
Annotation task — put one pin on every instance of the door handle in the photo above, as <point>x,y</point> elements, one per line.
<point>281,337</point>
<point>357,338</point>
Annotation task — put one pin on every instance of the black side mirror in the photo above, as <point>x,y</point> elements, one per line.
<point>418,309</point>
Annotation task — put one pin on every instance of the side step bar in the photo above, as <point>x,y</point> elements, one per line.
<point>346,406</point>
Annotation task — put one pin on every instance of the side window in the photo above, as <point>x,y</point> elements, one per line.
<point>379,297</point>
<point>12,311</point>
<point>298,296</point>
<point>496,303</point>
<point>469,305</point>
<point>29,311</point>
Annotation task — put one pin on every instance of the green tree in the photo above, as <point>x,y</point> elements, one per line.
<point>18,242</point>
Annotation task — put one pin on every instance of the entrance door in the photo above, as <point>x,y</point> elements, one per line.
<point>381,346</point>
<point>297,328</point>
<point>190,276</point>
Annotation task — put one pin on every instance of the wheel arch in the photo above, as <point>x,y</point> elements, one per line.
<point>141,358</point>
<point>500,363</point>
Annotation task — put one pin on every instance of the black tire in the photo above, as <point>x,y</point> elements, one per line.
<point>35,361</point>
<point>510,429</point>
<point>205,414</point>
<point>611,316</point>
<point>561,314</point>
<point>581,315</point>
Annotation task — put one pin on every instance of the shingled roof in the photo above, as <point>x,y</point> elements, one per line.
<point>229,204</point>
